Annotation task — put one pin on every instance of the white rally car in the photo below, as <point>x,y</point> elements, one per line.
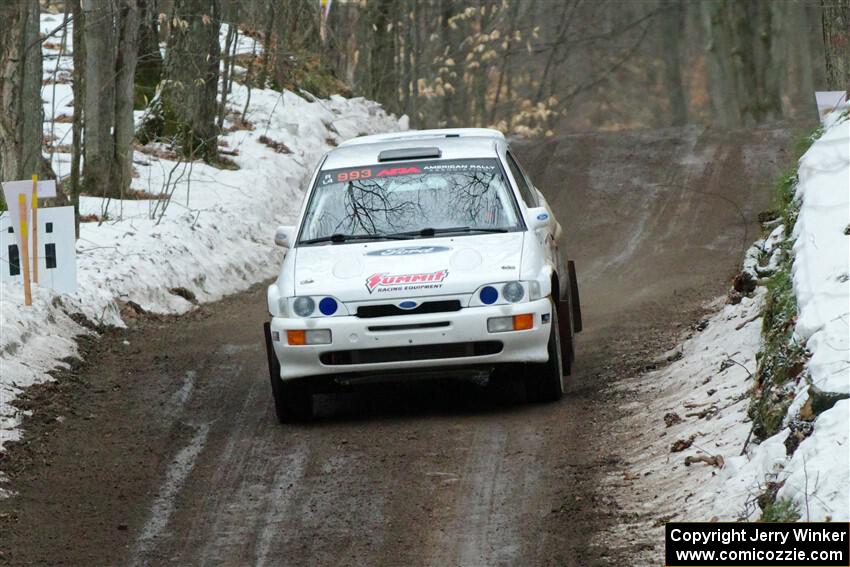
<point>420,254</point>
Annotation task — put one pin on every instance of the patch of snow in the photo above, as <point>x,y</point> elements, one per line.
<point>704,397</point>
<point>767,246</point>
<point>215,238</point>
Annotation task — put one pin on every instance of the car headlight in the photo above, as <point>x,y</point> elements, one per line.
<point>488,295</point>
<point>328,306</point>
<point>303,306</point>
<point>513,291</point>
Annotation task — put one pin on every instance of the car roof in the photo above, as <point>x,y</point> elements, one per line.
<point>454,143</point>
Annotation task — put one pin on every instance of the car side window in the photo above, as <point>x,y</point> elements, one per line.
<point>522,183</point>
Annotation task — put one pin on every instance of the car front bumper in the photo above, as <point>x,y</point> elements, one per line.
<point>412,342</point>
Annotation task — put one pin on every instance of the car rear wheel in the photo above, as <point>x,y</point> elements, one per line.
<point>545,382</point>
<point>293,400</point>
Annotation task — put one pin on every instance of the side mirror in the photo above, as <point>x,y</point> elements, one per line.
<point>284,236</point>
<point>538,218</point>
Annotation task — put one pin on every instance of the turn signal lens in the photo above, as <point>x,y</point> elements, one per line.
<point>310,337</point>
<point>523,322</point>
<point>296,337</point>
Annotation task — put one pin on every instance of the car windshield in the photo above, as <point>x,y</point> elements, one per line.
<point>409,199</point>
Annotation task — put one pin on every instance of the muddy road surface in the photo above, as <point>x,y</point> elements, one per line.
<point>162,448</point>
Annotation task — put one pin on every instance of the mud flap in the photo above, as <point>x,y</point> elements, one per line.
<point>274,365</point>
<point>571,268</point>
<point>566,332</point>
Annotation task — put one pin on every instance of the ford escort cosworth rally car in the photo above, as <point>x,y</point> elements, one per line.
<point>420,254</point>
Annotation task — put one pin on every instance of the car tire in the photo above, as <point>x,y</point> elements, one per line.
<point>293,401</point>
<point>545,382</point>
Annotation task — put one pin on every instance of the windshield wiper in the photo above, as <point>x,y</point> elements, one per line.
<point>425,232</point>
<point>338,237</point>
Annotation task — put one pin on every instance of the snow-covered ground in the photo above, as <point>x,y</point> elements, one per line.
<point>692,460</point>
<point>214,238</point>
<point>817,477</point>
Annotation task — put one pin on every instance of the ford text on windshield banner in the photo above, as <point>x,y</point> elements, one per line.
<point>809,544</point>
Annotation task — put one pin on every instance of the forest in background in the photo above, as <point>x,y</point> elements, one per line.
<point>531,67</point>
<point>525,67</point>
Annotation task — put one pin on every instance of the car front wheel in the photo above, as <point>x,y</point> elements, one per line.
<point>293,400</point>
<point>545,382</point>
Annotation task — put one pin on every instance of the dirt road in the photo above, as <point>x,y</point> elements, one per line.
<point>162,449</point>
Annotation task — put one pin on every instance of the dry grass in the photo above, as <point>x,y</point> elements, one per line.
<point>278,147</point>
<point>156,151</point>
<point>237,122</point>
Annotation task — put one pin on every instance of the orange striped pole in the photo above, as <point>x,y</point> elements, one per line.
<point>25,252</point>
<point>35,228</point>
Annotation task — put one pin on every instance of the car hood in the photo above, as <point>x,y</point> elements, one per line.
<point>407,268</point>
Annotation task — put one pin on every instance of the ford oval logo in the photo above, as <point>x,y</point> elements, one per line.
<point>409,251</point>
<point>407,305</point>
<point>542,216</point>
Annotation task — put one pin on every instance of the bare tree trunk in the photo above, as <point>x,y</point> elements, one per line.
<point>79,103</point>
<point>192,70</point>
<point>99,110</point>
<point>125,71</point>
<point>111,37</point>
<point>446,12</point>
<point>149,61</point>
<point>673,22</point>
<point>22,114</point>
<point>743,60</point>
<point>232,30</point>
<point>382,68</point>
<point>836,39</point>
<point>721,75</point>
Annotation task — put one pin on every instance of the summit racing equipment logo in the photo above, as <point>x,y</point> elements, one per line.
<point>405,282</point>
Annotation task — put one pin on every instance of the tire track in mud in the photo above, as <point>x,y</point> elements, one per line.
<point>163,506</point>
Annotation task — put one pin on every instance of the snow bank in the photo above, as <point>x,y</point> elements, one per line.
<point>820,271</point>
<point>818,474</point>
<point>215,237</point>
<point>699,401</point>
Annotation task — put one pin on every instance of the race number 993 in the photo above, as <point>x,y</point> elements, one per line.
<point>353,175</point>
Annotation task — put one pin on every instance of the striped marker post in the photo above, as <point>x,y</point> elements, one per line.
<point>35,229</point>
<point>25,252</point>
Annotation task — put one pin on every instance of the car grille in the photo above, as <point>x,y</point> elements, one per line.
<point>406,353</point>
<point>389,310</point>
<point>412,327</point>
